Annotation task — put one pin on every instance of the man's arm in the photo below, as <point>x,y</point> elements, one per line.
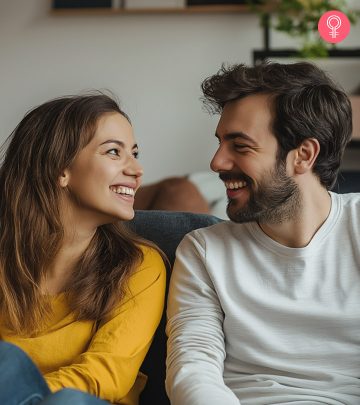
<point>196,349</point>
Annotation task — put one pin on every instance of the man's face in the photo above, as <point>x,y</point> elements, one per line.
<point>258,187</point>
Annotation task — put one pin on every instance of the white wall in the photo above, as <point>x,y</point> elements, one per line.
<point>154,63</point>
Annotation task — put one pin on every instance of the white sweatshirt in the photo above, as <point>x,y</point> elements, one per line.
<point>256,322</point>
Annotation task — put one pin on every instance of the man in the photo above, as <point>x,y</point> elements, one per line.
<point>265,308</point>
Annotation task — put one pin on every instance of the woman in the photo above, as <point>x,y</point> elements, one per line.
<point>79,293</point>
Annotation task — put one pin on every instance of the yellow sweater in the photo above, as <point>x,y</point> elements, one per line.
<point>104,362</point>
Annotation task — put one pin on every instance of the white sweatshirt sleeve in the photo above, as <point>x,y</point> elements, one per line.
<point>196,349</point>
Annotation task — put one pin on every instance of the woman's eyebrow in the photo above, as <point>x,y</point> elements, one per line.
<point>114,141</point>
<point>120,143</point>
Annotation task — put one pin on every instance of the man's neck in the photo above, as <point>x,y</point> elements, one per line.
<point>298,231</point>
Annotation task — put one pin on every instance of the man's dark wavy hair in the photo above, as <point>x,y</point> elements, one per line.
<point>306,104</point>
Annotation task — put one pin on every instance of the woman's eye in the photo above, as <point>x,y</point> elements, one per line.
<point>136,154</point>
<point>114,152</point>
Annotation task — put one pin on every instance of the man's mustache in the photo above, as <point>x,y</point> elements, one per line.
<point>229,176</point>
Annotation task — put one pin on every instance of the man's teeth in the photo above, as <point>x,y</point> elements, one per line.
<point>234,185</point>
<point>123,190</point>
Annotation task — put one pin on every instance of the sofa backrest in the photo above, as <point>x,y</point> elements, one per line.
<point>166,229</point>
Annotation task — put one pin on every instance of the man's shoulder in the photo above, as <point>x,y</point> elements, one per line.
<point>220,226</point>
<point>222,230</point>
<point>350,203</point>
<point>350,198</point>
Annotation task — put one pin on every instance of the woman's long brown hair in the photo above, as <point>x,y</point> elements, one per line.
<point>45,142</point>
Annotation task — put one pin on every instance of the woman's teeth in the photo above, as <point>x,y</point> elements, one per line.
<point>123,190</point>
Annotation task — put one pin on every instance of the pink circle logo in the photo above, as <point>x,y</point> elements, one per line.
<point>334,26</point>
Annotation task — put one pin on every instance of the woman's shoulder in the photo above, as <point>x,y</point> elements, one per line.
<point>151,268</point>
<point>151,255</point>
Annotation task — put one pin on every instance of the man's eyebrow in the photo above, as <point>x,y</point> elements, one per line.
<point>235,135</point>
<point>120,143</point>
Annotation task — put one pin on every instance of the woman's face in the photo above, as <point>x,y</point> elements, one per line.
<point>105,175</point>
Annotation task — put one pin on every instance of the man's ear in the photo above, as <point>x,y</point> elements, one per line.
<point>305,155</point>
<point>64,178</point>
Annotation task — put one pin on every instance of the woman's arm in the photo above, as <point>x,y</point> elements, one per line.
<point>111,363</point>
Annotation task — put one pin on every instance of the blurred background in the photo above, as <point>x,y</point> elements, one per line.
<point>153,61</point>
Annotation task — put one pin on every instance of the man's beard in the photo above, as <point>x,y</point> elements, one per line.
<point>276,200</point>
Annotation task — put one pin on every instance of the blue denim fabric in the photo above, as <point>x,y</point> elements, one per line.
<point>70,396</point>
<point>22,384</point>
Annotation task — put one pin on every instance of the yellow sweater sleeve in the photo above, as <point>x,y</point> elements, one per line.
<point>109,367</point>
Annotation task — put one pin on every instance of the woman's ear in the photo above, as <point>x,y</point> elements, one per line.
<point>64,178</point>
<point>305,155</point>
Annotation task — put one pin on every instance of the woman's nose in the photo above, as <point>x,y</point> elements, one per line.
<point>133,168</point>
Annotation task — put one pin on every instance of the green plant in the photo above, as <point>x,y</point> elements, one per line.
<point>299,18</point>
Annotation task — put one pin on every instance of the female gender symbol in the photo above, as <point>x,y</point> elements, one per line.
<point>338,24</point>
<point>333,32</point>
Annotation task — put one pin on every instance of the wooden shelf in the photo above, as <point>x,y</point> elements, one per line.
<point>122,11</point>
<point>355,144</point>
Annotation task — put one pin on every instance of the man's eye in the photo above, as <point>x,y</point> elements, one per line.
<point>240,146</point>
<point>136,154</point>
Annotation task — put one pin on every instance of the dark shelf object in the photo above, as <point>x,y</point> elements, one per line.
<point>81,3</point>
<point>260,55</point>
<point>209,9</point>
<point>355,144</point>
<point>215,2</point>
<point>348,182</point>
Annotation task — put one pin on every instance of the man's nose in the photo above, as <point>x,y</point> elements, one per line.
<point>222,160</point>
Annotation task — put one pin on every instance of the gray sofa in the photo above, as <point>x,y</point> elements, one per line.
<point>166,229</point>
